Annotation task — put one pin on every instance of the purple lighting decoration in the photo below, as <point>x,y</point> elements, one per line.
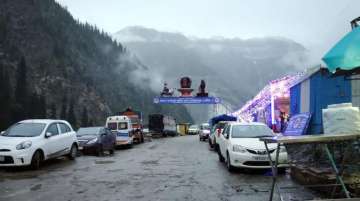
<point>275,89</point>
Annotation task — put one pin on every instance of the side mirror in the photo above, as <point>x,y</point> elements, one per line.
<point>48,134</point>
<point>2,132</point>
<point>227,135</point>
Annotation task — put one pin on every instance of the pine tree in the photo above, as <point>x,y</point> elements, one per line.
<point>53,111</point>
<point>71,115</point>
<point>21,83</point>
<point>63,114</point>
<point>91,123</point>
<point>42,107</point>
<point>5,102</point>
<point>21,94</point>
<point>84,118</point>
<point>33,106</point>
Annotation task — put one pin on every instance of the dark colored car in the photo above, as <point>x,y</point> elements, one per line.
<point>96,140</point>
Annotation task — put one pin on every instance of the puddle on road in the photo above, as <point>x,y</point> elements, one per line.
<point>14,175</point>
<point>153,146</point>
<point>104,162</point>
<point>36,187</point>
<point>115,170</point>
<point>150,162</point>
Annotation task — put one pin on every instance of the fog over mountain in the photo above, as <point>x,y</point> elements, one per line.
<point>234,69</point>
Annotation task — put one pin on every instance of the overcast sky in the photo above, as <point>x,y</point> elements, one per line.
<point>317,24</point>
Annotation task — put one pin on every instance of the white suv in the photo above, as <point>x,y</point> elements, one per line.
<point>30,142</point>
<point>239,146</point>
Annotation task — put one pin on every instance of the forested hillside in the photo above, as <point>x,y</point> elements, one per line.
<point>52,66</point>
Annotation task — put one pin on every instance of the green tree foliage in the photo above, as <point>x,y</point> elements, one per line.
<point>37,106</point>
<point>63,113</point>
<point>5,99</point>
<point>53,111</point>
<point>71,115</point>
<point>21,94</point>
<point>71,52</point>
<point>84,118</point>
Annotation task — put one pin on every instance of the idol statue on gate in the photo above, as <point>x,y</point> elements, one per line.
<point>202,92</point>
<point>185,84</point>
<point>166,91</point>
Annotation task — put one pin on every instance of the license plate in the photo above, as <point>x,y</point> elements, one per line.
<point>81,148</point>
<point>2,158</point>
<point>260,158</point>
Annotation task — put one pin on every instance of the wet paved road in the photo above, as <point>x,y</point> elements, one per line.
<point>180,168</point>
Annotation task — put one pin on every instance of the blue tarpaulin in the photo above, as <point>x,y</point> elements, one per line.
<point>222,117</point>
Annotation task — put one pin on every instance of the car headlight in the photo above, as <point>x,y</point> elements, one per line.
<point>92,141</point>
<point>282,150</point>
<point>238,148</point>
<point>24,145</point>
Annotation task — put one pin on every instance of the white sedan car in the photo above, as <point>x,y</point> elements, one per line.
<point>30,142</point>
<point>239,146</point>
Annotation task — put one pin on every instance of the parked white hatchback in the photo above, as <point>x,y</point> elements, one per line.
<point>30,142</point>
<point>239,146</point>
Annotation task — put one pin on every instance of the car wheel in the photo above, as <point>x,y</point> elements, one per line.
<point>211,146</point>
<point>100,151</point>
<point>228,163</point>
<point>221,158</point>
<point>36,161</point>
<point>112,150</point>
<point>73,152</point>
<point>216,147</point>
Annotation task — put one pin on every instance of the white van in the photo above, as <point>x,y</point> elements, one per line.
<point>122,127</point>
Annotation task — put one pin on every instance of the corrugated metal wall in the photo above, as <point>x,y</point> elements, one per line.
<point>355,91</point>
<point>305,96</point>
<point>295,99</point>
<point>326,90</point>
<point>319,91</point>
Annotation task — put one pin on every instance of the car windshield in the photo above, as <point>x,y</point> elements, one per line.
<point>88,131</point>
<point>250,131</point>
<point>25,130</point>
<point>112,126</point>
<point>194,127</point>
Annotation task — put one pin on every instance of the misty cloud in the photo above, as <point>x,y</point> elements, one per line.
<point>234,69</point>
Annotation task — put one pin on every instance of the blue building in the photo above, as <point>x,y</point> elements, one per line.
<point>317,89</point>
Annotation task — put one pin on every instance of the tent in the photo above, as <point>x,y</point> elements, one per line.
<point>222,117</point>
<point>346,53</point>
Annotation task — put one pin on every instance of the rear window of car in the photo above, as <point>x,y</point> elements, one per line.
<point>220,125</point>
<point>123,126</point>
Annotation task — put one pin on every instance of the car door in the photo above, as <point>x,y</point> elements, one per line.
<point>222,140</point>
<point>65,138</point>
<point>104,138</point>
<point>111,136</point>
<point>227,139</point>
<point>52,146</point>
